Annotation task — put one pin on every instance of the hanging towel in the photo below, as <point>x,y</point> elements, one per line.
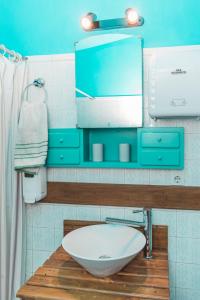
<point>32,136</point>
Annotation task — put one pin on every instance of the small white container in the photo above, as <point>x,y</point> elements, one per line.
<point>124,152</point>
<point>34,185</point>
<point>97,152</point>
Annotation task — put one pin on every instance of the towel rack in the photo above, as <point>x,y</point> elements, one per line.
<point>39,83</point>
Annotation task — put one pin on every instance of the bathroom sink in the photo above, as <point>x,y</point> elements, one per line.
<point>104,249</point>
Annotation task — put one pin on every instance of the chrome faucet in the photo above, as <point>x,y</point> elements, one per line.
<point>146,223</point>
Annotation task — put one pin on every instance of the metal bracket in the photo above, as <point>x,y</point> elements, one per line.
<point>39,82</point>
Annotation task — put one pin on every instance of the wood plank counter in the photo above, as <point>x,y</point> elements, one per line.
<point>61,278</point>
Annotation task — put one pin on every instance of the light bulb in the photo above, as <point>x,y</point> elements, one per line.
<point>132,16</point>
<point>87,22</point>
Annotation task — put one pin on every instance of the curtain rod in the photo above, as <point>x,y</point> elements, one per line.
<point>17,56</point>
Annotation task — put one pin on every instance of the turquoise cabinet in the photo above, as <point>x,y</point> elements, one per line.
<point>160,139</point>
<point>150,148</point>
<point>63,157</point>
<point>163,157</point>
<point>64,138</point>
<point>64,147</point>
<point>161,148</point>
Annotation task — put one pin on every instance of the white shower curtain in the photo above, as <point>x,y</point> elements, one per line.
<point>13,77</point>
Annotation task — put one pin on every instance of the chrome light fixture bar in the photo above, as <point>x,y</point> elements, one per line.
<point>132,19</point>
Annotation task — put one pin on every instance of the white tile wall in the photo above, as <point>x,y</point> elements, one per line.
<point>45,222</point>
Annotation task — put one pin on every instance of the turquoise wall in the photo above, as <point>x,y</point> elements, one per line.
<point>52,26</point>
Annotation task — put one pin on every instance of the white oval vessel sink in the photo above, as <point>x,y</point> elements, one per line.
<point>104,249</point>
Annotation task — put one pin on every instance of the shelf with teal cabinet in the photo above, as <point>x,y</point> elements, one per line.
<point>110,138</point>
<point>161,148</point>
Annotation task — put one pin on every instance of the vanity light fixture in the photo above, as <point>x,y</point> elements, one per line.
<point>132,19</point>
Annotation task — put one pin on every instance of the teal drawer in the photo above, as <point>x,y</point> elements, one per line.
<point>63,157</point>
<point>160,158</point>
<point>64,139</point>
<point>160,139</point>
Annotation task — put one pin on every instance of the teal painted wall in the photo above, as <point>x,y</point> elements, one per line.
<point>51,26</point>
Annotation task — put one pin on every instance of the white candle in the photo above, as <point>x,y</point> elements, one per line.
<point>97,152</point>
<point>124,152</point>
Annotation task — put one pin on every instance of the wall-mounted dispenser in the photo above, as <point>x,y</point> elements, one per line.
<point>174,83</point>
<point>34,185</point>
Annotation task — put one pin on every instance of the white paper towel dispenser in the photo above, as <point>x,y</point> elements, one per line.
<point>175,83</point>
<point>34,186</point>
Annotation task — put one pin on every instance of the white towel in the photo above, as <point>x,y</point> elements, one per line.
<point>32,136</point>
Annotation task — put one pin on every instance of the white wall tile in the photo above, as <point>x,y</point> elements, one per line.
<point>29,214</point>
<point>172,249</point>
<point>58,236</point>
<point>188,224</point>
<point>87,212</point>
<point>43,239</point>
<point>57,216</point>
<point>49,216</point>
<point>192,146</point>
<point>29,237</point>
<point>69,212</point>
<point>188,250</point>
<point>29,262</point>
<point>187,294</point>
<point>166,217</point>
<point>111,176</point>
<point>131,214</point>
<point>36,214</point>
<point>88,175</point>
<point>192,172</point>
<point>190,125</point>
<point>172,294</point>
<point>187,276</point>
<point>39,257</point>
<point>163,177</point>
<point>136,176</point>
<point>111,212</point>
<point>50,174</point>
<point>172,274</point>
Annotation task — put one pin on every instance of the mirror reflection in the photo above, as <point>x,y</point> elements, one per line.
<point>109,81</point>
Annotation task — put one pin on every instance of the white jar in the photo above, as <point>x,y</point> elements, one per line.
<point>124,152</point>
<point>97,152</point>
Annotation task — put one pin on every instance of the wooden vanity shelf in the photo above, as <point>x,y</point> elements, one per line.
<point>61,278</point>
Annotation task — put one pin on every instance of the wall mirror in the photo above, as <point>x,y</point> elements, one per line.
<point>109,81</point>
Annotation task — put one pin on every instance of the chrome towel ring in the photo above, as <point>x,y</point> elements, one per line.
<point>39,83</point>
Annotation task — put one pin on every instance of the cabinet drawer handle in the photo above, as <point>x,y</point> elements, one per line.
<point>160,158</point>
<point>61,141</point>
<point>61,157</point>
<point>160,140</point>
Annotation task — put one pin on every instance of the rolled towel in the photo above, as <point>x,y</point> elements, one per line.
<point>32,136</point>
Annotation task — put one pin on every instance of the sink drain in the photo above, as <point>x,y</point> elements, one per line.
<point>104,256</point>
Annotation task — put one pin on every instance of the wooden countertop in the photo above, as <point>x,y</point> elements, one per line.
<point>61,278</point>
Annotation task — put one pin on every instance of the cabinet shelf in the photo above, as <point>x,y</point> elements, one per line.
<point>150,148</point>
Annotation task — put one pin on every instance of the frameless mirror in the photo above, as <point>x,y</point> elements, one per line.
<point>109,81</point>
